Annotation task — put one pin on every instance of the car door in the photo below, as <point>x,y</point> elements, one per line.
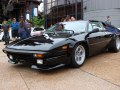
<point>97,41</point>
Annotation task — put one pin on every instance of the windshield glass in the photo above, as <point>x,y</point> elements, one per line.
<point>77,27</point>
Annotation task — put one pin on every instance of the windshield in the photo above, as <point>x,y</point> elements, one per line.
<point>77,27</point>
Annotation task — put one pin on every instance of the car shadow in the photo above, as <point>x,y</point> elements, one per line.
<point>26,67</point>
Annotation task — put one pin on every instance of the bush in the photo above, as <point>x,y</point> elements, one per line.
<point>37,22</point>
<point>9,22</point>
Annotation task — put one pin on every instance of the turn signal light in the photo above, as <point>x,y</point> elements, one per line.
<point>38,55</point>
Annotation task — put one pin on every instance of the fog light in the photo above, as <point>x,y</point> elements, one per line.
<point>35,55</point>
<point>10,57</point>
<point>39,61</point>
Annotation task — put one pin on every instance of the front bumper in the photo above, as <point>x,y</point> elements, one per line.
<point>28,57</point>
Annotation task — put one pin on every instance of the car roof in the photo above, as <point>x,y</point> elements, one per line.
<point>81,21</point>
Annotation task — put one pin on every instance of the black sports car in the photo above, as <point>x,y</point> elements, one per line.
<point>64,43</point>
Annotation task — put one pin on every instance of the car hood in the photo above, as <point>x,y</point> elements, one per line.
<point>37,43</point>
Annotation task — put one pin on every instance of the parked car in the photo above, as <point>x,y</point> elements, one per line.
<point>0,27</point>
<point>65,43</point>
<point>2,34</point>
<point>36,31</point>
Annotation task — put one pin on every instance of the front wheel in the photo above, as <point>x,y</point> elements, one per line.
<point>116,45</point>
<point>78,56</point>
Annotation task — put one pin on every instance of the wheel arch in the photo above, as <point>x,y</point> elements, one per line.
<point>111,44</point>
<point>112,47</point>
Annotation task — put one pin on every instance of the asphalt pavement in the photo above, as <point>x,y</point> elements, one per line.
<point>100,72</point>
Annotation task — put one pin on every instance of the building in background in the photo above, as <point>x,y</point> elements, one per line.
<point>41,7</point>
<point>55,10</point>
<point>100,9</point>
<point>2,7</point>
<point>17,8</point>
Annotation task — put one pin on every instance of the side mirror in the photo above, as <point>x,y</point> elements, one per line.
<point>93,31</point>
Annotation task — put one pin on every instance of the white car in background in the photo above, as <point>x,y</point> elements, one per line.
<point>36,31</point>
<point>0,27</point>
<point>2,34</point>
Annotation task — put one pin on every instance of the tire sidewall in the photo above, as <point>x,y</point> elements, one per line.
<point>115,44</point>
<point>74,63</point>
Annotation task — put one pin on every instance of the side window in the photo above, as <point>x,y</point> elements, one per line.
<point>102,24</point>
<point>96,25</point>
<point>90,27</point>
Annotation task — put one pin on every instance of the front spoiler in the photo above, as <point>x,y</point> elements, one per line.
<point>46,68</point>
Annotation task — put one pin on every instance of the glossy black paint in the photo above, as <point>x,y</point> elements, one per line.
<point>51,48</point>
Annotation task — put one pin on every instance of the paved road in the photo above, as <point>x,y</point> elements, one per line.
<point>101,72</point>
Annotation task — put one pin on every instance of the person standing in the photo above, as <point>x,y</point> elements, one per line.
<point>108,20</point>
<point>22,29</point>
<point>62,19</point>
<point>68,18</point>
<point>73,18</point>
<point>14,27</point>
<point>28,25</point>
<point>6,28</point>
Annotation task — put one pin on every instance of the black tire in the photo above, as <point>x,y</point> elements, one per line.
<point>115,45</point>
<point>78,58</point>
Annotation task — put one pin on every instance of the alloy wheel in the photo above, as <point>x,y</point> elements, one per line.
<point>79,55</point>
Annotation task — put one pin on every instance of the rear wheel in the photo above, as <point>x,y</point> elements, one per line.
<point>116,45</point>
<point>78,56</point>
